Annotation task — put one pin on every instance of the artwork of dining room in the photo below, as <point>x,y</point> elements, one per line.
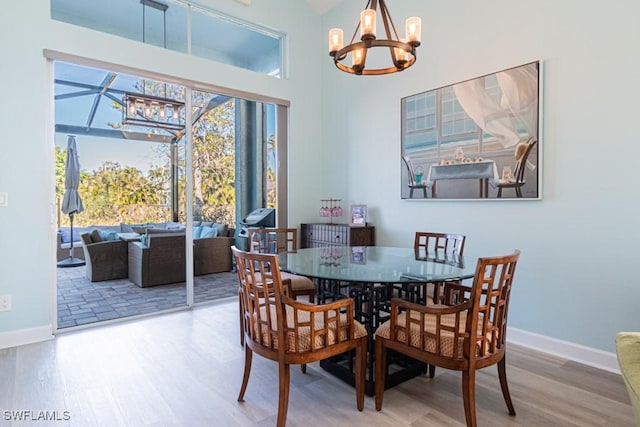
<point>474,139</point>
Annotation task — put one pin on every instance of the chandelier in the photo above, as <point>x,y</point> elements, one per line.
<point>402,51</point>
<point>152,111</point>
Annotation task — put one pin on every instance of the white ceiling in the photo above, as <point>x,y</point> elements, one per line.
<point>321,6</point>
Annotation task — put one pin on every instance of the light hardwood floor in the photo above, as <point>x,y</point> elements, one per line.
<point>185,369</point>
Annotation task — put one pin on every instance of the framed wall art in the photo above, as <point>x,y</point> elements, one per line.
<point>474,140</point>
<point>358,215</point>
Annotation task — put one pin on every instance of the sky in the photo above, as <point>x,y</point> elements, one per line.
<point>93,152</point>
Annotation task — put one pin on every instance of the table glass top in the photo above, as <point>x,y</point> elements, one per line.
<point>375,264</point>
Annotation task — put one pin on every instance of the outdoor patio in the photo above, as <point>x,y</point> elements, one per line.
<point>81,302</point>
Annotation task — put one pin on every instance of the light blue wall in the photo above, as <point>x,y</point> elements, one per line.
<point>27,258</point>
<point>578,276</point>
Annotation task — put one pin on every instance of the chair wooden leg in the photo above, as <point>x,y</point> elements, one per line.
<point>361,369</point>
<point>380,367</point>
<point>241,319</point>
<point>499,192</point>
<point>303,368</point>
<point>283,393</point>
<point>248,356</point>
<point>312,297</point>
<point>502,374</point>
<point>411,193</point>
<point>469,396</point>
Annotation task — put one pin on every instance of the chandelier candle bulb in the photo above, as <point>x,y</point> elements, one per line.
<point>368,24</point>
<point>413,29</point>
<point>357,57</point>
<point>401,55</point>
<point>161,112</point>
<point>335,39</point>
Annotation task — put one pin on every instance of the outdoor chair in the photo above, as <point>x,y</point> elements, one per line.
<point>466,333</point>
<point>288,332</point>
<point>105,259</point>
<point>159,261</point>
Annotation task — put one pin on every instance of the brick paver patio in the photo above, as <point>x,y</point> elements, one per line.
<point>81,301</point>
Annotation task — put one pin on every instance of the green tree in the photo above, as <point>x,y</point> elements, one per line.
<point>115,193</point>
<point>214,164</point>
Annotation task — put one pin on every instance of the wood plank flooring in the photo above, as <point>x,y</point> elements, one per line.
<point>185,369</point>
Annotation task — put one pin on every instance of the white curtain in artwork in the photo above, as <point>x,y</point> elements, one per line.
<point>519,100</point>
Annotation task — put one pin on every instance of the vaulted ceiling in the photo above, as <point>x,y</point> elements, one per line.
<point>321,6</point>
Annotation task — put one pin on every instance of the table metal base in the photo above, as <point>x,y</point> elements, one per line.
<point>371,302</point>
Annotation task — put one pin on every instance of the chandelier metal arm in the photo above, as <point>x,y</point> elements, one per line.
<point>368,44</point>
<point>402,53</point>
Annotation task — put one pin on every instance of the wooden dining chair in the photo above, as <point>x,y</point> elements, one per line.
<point>278,240</point>
<point>288,332</point>
<point>467,335</point>
<point>442,246</point>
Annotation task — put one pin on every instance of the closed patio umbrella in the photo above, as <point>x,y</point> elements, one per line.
<point>72,203</point>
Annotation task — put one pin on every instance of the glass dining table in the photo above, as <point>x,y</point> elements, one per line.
<point>372,275</point>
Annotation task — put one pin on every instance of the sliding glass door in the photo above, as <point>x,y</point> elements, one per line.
<point>162,199</point>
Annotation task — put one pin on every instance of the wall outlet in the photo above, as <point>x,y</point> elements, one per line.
<point>5,302</point>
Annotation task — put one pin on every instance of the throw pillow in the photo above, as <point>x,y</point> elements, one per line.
<point>65,234</point>
<point>108,235</point>
<point>207,223</point>
<point>126,228</point>
<point>222,228</point>
<point>208,232</point>
<point>95,236</point>
<point>157,225</point>
<point>197,230</point>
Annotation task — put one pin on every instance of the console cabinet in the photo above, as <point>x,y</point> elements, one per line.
<point>316,235</point>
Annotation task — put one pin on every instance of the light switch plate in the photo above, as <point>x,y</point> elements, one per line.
<point>5,302</point>
<point>4,199</point>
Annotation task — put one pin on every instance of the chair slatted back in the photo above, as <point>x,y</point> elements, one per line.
<point>275,240</point>
<point>428,244</point>
<point>261,294</point>
<point>489,297</point>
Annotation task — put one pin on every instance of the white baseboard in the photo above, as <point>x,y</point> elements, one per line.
<point>578,353</point>
<point>25,336</point>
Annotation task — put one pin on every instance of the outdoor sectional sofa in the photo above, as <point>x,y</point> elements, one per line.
<point>159,257</point>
